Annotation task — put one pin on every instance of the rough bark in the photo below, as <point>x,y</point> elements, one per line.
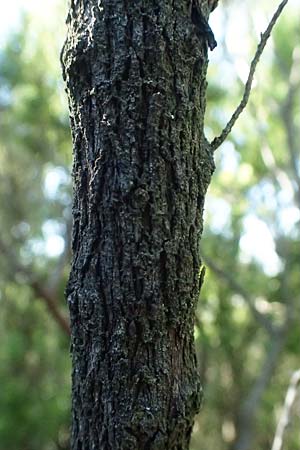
<point>136,81</point>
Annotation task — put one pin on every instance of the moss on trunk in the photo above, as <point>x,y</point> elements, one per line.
<point>136,80</point>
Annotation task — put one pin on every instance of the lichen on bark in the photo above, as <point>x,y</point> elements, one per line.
<point>136,80</point>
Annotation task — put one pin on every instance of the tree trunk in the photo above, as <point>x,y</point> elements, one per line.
<point>136,81</point>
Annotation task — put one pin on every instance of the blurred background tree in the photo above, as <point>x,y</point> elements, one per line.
<point>248,314</point>
<point>35,198</point>
<point>247,328</point>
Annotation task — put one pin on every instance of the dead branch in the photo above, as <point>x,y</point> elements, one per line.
<point>247,89</point>
<point>47,296</point>
<point>287,411</point>
<point>51,303</point>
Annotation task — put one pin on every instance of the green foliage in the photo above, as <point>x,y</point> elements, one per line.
<point>35,153</point>
<point>251,249</point>
<point>35,373</point>
<point>251,238</point>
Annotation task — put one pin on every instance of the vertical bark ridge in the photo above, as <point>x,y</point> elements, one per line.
<point>136,80</point>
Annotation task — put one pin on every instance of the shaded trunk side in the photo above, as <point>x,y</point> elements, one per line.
<point>136,81</point>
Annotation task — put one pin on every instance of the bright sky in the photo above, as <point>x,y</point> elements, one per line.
<point>257,241</point>
<point>11,11</point>
<point>8,18</point>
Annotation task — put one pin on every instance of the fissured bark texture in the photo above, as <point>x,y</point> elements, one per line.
<point>136,79</point>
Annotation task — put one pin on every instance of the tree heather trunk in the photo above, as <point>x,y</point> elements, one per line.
<point>136,81</point>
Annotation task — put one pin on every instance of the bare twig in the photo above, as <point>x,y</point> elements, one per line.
<point>287,409</point>
<point>247,90</point>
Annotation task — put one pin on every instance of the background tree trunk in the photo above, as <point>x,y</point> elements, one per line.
<point>136,81</point>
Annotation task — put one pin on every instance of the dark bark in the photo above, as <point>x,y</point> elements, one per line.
<point>136,81</point>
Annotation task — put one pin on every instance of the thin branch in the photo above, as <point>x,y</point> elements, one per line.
<point>46,295</point>
<point>287,410</point>
<point>51,303</point>
<point>247,90</point>
<point>264,321</point>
